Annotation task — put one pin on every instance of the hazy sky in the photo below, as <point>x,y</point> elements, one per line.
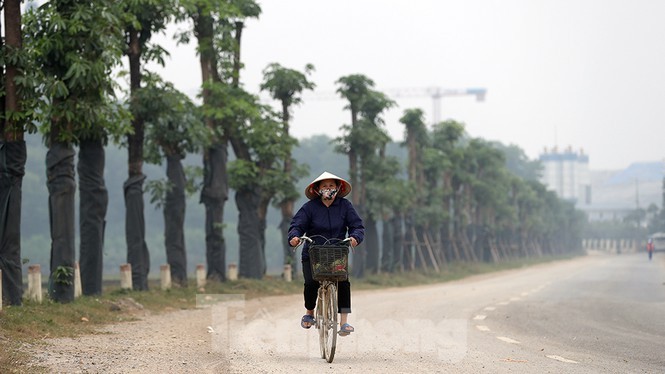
<point>589,74</point>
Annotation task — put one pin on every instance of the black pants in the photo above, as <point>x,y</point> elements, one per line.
<point>312,288</point>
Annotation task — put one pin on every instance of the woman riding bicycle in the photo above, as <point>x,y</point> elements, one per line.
<point>327,215</point>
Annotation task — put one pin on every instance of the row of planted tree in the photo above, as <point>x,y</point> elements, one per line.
<point>455,201</point>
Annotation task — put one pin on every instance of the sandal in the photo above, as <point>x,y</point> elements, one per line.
<point>307,319</point>
<point>345,330</point>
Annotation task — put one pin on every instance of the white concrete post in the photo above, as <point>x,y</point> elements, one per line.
<point>233,272</point>
<point>165,276</point>
<point>126,276</point>
<point>200,276</point>
<point>35,283</point>
<point>287,273</point>
<point>78,290</point>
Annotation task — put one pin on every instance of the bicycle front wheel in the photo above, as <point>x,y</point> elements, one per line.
<point>320,320</point>
<point>329,326</point>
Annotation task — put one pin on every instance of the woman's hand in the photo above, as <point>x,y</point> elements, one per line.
<point>294,241</point>
<point>354,242</point>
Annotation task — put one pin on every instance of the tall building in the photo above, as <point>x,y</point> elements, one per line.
<point>567,174</point>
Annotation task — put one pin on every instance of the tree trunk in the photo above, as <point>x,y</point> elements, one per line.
<point>252,262</point>
<point>408,254</point>
<point>398,242</point>
<point>360,256</point>
<point>251,218</point>
<point>61,185</point>
<point>12,169</point>
<point>264,202</point>
<point>371,245</point>
<point>214,195</point>
<point>174,220</point>
<point>215,190</point>
<point>3,98</point>
<point>137,249</point>
<point>353,162</point>
<point>11,130</point>
<point>289,253</point>
<point>387,246</point>
<point>286,206</point>
<point>12,166</point>
<point>93,204</point>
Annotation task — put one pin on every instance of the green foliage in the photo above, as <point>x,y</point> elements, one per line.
<point>415,126</point>
<point>354,88</point>
<point>148,17</point>
<point>158,189</point>
<point>243,174</point>
<point>26,85</point>
<point>518,163</point>
<point>286,85</point>
<point>173,123</point>
<point>63,275</point>
<point>75,46</point>
<point>215,24</point>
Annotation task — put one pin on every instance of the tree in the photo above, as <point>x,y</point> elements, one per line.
<point>173,129</point>
<point>76,46</point>
<point>257,177</point>
<point>286,85</point>
<point>218,29</point>
<point>354,88</point>
<point>518,163</point>
<point>15,120</point>
<point>144,18</point>
<point>371,158</point>
<point>416,140</point>
<point>445,156</point>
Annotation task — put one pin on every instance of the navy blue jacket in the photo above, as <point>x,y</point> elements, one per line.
<point>334,222</point>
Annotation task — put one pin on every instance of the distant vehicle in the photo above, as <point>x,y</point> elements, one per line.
<point>659,241</point>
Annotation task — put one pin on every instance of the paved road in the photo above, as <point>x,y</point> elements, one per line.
<point>596,314</point>
<point>606,316</point>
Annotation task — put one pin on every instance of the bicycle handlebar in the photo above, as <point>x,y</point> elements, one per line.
<point>304,238</point>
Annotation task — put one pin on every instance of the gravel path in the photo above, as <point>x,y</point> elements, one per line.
<point>405,330</point>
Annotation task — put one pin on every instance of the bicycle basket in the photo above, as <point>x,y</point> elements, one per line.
<point>329,262</point>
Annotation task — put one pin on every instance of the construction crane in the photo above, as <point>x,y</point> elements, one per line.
<point>435,93</point>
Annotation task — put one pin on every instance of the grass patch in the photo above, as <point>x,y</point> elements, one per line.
<point>33,322</point>
<point>450,272</point>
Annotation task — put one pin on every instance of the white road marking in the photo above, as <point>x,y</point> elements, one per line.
<point>482,328</point>
<point>490,308</point>
<point>480,317</point>
<point>515,299</point>
<point>507,340</point>
<point>504,303</point>
<point>559,358</point>
<point>524,294</point>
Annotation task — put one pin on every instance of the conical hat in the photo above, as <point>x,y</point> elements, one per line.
<point>344,189</point>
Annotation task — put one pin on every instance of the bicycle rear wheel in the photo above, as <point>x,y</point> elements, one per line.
<point>329,327</point>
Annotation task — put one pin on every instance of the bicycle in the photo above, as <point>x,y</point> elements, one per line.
<point>330,265</point>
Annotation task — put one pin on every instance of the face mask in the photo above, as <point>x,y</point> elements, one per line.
<point>327,194</point>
